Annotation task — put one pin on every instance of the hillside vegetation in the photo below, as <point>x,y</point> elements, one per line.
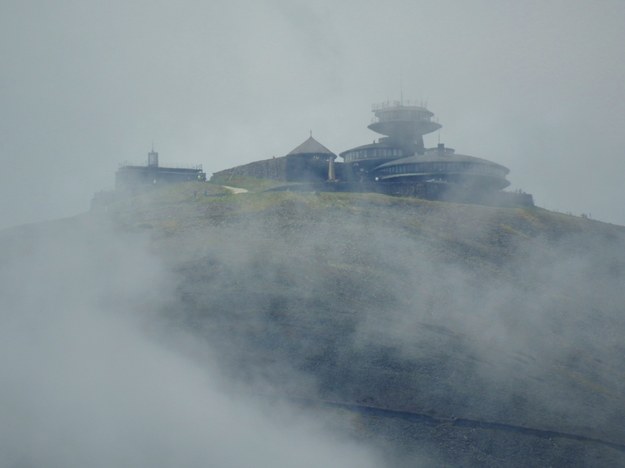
<point>439,333</point>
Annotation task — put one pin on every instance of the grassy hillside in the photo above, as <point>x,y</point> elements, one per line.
<point>439,333</point>
<point>499,315</point>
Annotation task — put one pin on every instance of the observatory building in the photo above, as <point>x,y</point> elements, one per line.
<point>400,156</point>
<point>403,127</point>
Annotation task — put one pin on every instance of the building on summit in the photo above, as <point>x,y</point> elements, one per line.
<point>310,161</point>
<point>400,164</point>
<point>401,156</point>
<point>133,177</point>
<point>397,164</point>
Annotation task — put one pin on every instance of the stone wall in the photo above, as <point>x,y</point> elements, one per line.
<point>273,169</point>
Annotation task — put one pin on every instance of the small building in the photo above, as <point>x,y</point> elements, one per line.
<point>310,162</point>
<point>133,177</point>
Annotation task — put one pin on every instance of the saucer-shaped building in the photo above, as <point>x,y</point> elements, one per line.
<point>400,156</point>
<point>444,165</point>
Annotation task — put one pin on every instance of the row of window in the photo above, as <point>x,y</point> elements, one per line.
<point>402,114</point>
<point>373,153</point>
<point>434,167</point>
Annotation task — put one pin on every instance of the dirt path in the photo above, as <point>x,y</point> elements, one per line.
<point>235,190</point>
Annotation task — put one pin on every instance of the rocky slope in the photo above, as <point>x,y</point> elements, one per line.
<point>438,333</point>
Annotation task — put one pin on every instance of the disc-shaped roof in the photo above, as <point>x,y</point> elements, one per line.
<point>311,146</point>
<point>370,145</point>
<point>433,155</point>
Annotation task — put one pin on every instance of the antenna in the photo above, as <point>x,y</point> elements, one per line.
<point>401,89</point>
<point>310,133</point>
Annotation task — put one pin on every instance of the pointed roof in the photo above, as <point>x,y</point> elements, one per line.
<point>311,146</point>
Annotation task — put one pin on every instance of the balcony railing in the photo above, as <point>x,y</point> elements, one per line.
<point>403,103</point>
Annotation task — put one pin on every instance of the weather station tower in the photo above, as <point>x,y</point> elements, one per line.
<point>403,125</point>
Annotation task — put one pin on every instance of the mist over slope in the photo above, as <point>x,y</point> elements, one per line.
<point>430,332</point>
<point>91,377</point>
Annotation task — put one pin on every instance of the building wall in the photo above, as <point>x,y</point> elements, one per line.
<point>455,193</point>
<point>294,168</point>
<point>138,176</point>
<point>273,169</point>
<point>307,168</point>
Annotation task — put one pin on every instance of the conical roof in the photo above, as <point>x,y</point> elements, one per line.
<point>311,146</point>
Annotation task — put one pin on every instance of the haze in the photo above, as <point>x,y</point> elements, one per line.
<point>91,377</point>
<point>536,86</point>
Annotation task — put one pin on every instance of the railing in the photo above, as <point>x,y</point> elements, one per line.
<point>386,118</point>
<point>403,103</point>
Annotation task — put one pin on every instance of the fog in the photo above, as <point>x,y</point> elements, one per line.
<point>546,329</point>
<point>91,377</point>
<point>535,86</point>
<point>162,334</point>
<point>426,309</point>
<point>153,347</point>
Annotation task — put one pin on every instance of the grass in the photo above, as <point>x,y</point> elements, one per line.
<point>471,231</point>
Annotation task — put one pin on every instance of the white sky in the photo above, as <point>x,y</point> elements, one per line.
<point>537,86</point>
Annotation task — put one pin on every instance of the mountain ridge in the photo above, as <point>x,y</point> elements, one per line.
<point>506,317</point>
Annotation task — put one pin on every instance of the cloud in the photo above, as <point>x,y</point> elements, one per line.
<point>91,378</point>
<point>535,86</point>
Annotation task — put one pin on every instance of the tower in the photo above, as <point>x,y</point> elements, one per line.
<point>152,158</point>
<point>403,125</point>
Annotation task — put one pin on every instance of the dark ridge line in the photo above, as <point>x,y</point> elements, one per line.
<point>461,422</point>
